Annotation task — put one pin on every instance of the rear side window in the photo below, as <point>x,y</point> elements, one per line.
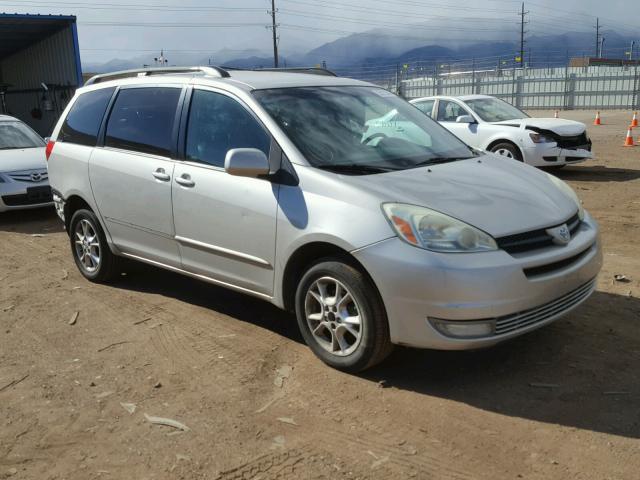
<point>83,121</point>
<point>142,120</point>
<point>218,124</point>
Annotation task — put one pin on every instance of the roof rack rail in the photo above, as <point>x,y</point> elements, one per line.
<point>143,72</point>
<point>309,70</point>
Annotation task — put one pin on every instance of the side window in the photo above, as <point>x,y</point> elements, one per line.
<point>142,120</point>
<point>83,121</point>
<point>449,111</point>
<point>218,124</point>
<point>426,107</point>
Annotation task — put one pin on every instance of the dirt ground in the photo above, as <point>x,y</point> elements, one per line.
<point>259,405</point>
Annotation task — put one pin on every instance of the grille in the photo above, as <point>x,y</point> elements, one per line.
<point>27,176</point>
<point>535,239</point>
<point>555,266</point>
<point>574,142</point>
<point>510,323</point>
<point>33,196</point>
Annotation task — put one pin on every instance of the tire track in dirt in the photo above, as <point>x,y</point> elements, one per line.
<point>304,462</point>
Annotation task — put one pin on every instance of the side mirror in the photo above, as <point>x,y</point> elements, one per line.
<point>465,119</point>
<point>246,162</point>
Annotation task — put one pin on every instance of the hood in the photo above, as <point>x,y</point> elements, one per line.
<point>22,159</point>
<point>497,195</point>
<point>560,126</point>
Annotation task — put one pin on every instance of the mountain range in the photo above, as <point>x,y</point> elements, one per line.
<point>381,47</point>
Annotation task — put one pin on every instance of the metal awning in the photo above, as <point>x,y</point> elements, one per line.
<point>19,31</point>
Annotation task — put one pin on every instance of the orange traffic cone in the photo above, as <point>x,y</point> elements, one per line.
<point>634,122</point>
<point>629,140</point>
<point>597,120</point>
<point>555,115</point>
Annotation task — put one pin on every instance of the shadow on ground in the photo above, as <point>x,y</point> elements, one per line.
<point>148,279</point>
<point>40,220</point>
<point>597,174</point>
<point>583,371</point>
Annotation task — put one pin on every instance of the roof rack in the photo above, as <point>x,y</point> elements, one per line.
<point>309,70</point>
<point>144,72</point>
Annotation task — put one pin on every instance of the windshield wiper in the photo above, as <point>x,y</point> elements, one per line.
<point>437,160</point>
<point>354,168</point>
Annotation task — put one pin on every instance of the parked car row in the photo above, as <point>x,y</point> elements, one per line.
<point>331,198</point>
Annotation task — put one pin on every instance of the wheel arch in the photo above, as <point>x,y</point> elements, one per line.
<point>303,258</point>
<point>505,140</point>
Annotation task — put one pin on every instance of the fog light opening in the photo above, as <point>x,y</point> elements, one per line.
<point>464,329</point>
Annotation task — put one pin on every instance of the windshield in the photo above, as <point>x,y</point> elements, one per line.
<point>359,130</point>
<point>495,110</point>
<point>18,135</point>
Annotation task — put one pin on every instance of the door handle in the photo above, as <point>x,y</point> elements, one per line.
<point>160,174</point>
<point>185,180</point>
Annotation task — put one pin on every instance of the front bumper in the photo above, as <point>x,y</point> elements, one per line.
<point>21,196</point>
<point>420,288</point>
<point>545,155</point>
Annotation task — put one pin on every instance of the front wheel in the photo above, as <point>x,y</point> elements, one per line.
<point>342,317</point>
<point>89,247</point>
<point>507,150</point>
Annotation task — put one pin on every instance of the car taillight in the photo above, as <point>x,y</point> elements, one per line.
<point>49,149</point>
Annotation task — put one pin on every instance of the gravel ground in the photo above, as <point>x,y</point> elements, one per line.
<point>259,405</point>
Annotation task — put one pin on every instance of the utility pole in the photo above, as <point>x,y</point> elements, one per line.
<point>522,14</point>
<point>598,37</point>
<point>633,44</point>
<point>274,27</point>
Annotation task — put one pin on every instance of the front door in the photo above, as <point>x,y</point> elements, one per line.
<point>225,225</point>
<point>131,174</point>
<point>448,113</point>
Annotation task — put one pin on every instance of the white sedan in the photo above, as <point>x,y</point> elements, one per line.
<point>491,124</point>
<point>23,168</point>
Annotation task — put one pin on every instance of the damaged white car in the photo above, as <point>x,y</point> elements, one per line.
<point>491,124</point>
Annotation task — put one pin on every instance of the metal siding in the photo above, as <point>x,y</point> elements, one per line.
<point>52,60</point>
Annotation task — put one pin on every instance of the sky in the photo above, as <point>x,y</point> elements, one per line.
<point>137,28</point>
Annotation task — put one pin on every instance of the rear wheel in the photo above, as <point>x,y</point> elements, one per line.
<point>508,150</point>
<point>89,248</point>
<point>341,316</point>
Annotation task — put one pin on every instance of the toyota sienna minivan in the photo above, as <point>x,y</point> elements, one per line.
<point>274,184</point>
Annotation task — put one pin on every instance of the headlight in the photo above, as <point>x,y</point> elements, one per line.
<point>539,138</point>
<point>431,230</point>
<point>568,191</point>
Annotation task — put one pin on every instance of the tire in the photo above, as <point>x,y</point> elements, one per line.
<point>89,248</point>
<point>338,340</point>
<point>508,150</point>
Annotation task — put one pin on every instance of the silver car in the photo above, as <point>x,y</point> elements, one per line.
<point>274,184</point>
<point>23,169</point>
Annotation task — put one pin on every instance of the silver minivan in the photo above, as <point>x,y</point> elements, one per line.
<point>279,184</point>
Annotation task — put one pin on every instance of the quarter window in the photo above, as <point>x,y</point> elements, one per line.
<point>450,111</point>
<point>218,124</point>
<point>83,121</point>
<point>142,120</point>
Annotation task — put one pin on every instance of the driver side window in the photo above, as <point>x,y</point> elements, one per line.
<point>449,111</point>
<point>217,124</point>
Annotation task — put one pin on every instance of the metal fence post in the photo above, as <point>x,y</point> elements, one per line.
<point>636,87</point>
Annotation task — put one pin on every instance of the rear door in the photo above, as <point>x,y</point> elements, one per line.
<point>131,171</point>
<point>225,225</point>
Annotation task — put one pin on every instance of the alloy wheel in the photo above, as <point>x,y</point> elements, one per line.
<point>333,316</point>
<point>87,246</point>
